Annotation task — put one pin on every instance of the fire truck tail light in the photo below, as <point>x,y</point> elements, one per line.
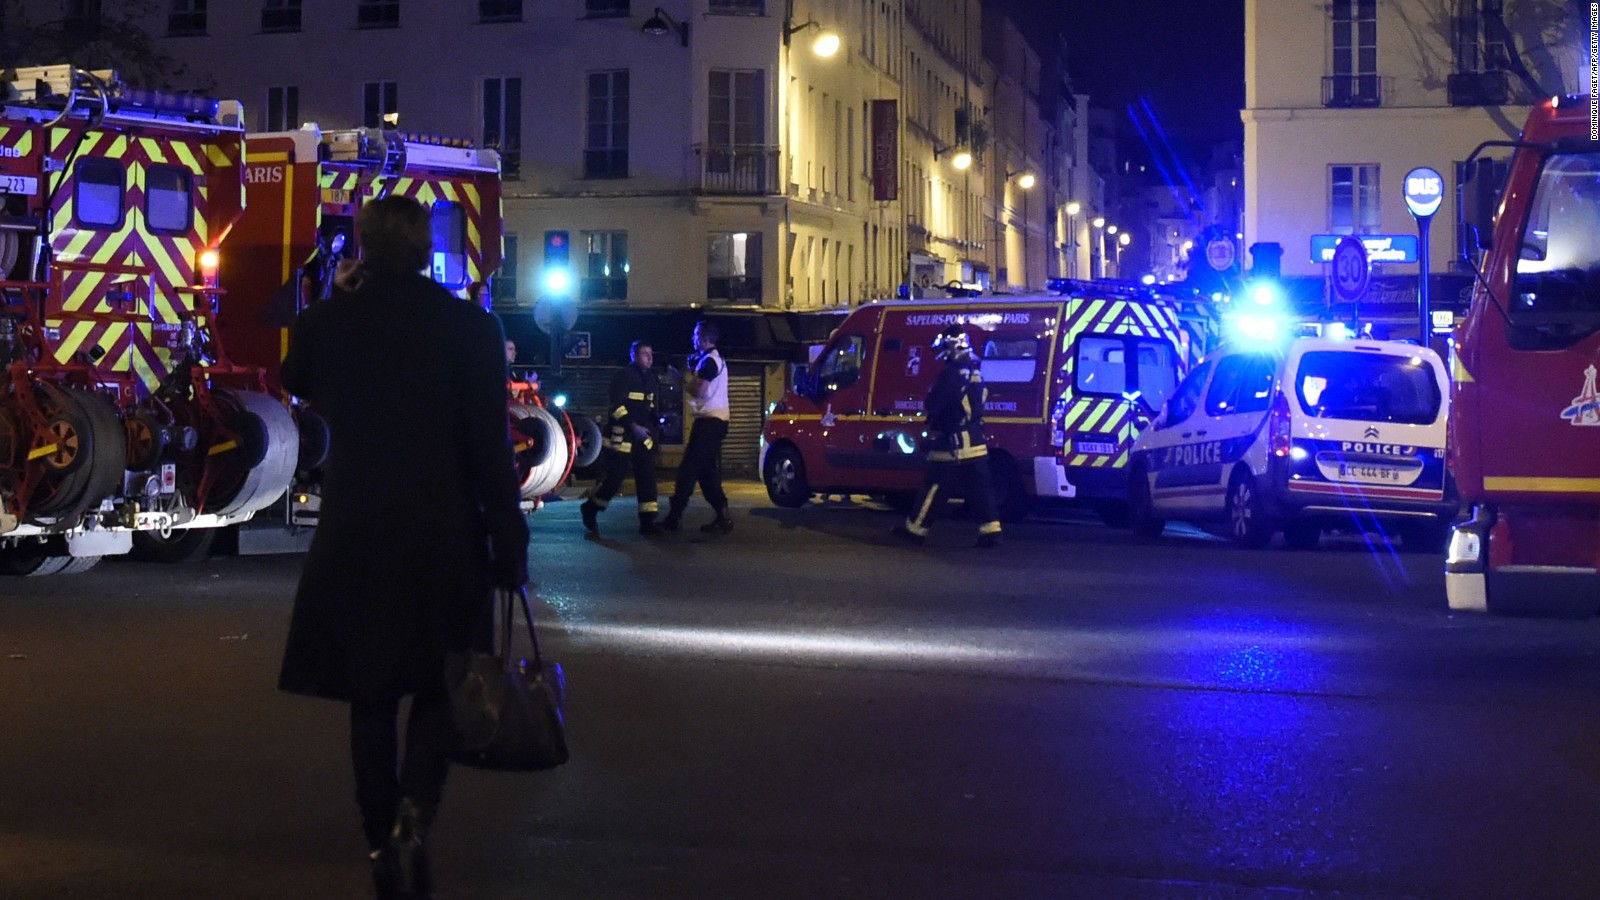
<point>209,260</point>
<point>1278,425</point>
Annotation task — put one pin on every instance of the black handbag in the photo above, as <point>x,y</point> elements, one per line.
<point>507,712</point>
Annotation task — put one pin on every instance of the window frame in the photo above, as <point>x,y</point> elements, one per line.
<point>503,284</point>
<point>455,216</point>
<point>1365,198</point>
<point>1241,369</point>
<point>609,160</point>
<point>505,93</point>
<point>188,214</point>
<point>377,14</point>
<point>193,11</point>
<point>288,107</point>
<point>587,280</point>
<point>281,9</point>
<point>386,90</point>
<point>499,18</point>
<point>607,9</point>
<point>745,282</point>
<point>78,181</point>
<point>1130,362</point>
<point>827,363</point>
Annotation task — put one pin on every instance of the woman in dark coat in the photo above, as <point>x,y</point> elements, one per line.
<point>419,521</point>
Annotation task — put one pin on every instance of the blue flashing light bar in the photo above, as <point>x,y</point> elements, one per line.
<point>170,102</point>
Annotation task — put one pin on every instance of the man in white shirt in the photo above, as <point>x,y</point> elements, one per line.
<point>705,388</point>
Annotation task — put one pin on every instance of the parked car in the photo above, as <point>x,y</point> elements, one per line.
<point>1320,433</point>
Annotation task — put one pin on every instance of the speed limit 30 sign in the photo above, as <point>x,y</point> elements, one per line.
<point>1350,270</point>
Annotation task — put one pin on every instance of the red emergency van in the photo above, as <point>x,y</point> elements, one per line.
<point>1072,378</point>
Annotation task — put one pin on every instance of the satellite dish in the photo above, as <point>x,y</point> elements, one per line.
<point>554,316</point>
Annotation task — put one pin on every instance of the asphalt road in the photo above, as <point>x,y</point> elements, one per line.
<point>806,709</point>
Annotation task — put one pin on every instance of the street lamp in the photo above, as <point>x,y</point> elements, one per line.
<point>827,42</point>
<point>961,159</point>
<point>1025,180</point>
<point>661,22</point>
<point>1123,240</point>
<point>1097,251</point>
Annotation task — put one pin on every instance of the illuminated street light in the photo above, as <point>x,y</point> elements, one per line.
<point>1074,208</point>
<point>1111,229</point>
<point>1125,239</point>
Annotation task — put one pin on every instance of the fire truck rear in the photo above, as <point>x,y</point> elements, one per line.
<point>306,188</point>
<point>1525,421</point>
<point>119,411</point>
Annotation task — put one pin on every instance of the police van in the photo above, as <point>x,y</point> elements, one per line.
<point>1324,433</point>
<point>1071,379</point>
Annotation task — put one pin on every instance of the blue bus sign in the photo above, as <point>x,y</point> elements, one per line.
<point>1424,192</point>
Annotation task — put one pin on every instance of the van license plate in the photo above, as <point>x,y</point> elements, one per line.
<point>1371,473</point>
<point>19,184</point>
<point>1095,446</point>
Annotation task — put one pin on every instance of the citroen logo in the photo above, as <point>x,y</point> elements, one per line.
<point>1371,432</point>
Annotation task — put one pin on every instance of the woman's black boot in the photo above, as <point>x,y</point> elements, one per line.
<point>408,846</point>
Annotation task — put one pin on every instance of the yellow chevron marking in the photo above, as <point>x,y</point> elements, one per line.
<point>223,447</point>
<point>1459,373</point>
<point>46,450</point>
<point>220,156</point>
<point>69,343</point>
<point>153,150</point>
<point>187,156</point>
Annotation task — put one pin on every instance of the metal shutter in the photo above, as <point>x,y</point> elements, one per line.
<point>741,453</point>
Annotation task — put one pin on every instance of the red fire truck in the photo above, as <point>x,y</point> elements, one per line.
<point>1525,419</point>
<point>305,189</point>
<point>1071,380</point>
<point>120,411</point>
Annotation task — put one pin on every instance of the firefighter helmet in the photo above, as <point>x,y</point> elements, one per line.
<point>952,344</point>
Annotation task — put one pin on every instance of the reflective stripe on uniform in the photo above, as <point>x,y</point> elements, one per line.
<point>649,507</point>
<point>915,524</point>
<point>958,455</point>
<point>989,528</point>
<point>619,412</point>
<point>598,501</point>
<point>634,395</point>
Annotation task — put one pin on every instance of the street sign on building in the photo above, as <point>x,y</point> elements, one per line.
<point>578,344</point>
<point>1381,248</point>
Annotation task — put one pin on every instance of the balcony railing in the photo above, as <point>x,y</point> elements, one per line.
<point>737,169</point>
<point>1351,91</point>
<point>1479,89</point>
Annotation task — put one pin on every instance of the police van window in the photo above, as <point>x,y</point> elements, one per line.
<point>1157,373</point>
<point>98,191</point>
<point>449,244</point>
<point>1243,384</point>
<point>168,204</point>
<point>1102,365</point>
<point>1368,387</point>
<point>1186,399</point>
<point>1009,360</point>
<point>840,367</point>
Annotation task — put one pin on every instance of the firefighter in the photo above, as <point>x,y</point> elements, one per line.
<point>630,442</point>
<point>958,448</point>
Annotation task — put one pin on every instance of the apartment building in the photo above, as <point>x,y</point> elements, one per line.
<point>1344,97</point>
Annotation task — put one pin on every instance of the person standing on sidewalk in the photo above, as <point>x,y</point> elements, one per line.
<point>385,593</point>
<point>630,442</point>
<point>959,451</point>
<point>705,387</point>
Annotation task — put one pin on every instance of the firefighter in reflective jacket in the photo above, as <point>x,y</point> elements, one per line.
<point>958,449</point>
<point>630,442</point>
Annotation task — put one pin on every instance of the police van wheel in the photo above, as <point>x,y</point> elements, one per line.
<point>785,477</point>
<point>1248,524</point>
<point>1141,510</point>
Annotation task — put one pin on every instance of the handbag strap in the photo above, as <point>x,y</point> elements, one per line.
<point>509,612</point>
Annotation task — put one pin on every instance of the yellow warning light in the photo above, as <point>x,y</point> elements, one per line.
<point>209,259</point>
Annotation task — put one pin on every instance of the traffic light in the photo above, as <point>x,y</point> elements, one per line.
<point>557,273</point>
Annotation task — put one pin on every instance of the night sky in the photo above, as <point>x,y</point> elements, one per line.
<point>1185,58</point>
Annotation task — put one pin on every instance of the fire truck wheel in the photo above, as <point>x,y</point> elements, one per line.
<point>31,558</point>
<point>785,477</point>
<point>1010,496</point>
<point>181,546</point>
<point>1247,520</point>
<point>1142,516</point>
<point>587,431</point>
<point>315,439</point>
<point>77,565</point>
<point>1301,535</point>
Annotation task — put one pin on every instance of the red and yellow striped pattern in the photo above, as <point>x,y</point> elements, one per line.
<point>118,289</point>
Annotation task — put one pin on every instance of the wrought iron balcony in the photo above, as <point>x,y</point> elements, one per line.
<point>1479,89</point>
<point>1351,91</point>
<point>750,169</point>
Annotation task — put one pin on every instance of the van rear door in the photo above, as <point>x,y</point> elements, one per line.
<point>1369,419</point>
